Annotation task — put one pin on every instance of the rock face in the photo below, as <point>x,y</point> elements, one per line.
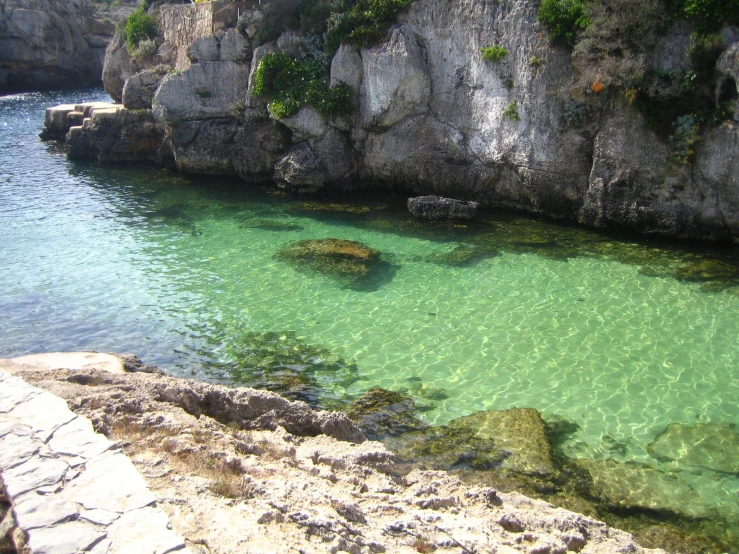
<point>433,117</point>
<point>50,44</point>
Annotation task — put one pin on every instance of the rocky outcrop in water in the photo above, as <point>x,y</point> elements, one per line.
<point>51,44</point>
<point>437,207</point>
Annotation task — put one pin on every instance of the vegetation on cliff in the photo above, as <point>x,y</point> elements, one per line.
<point>138,27</point>
<point>613,42</point>
<point>292,82</point>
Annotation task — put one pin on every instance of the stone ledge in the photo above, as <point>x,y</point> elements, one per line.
<point>71,489</point>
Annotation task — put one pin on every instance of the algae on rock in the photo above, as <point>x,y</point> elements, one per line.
<point>285,364</point>
<point>381,413</point>
<point>713,446</point>
<point>350,263</point>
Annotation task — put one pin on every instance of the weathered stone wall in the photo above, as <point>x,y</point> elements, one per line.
<point>180,25</point>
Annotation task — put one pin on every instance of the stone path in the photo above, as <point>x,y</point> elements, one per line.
<point>72,490</point>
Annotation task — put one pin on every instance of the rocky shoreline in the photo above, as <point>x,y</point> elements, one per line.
<point>239,470</point>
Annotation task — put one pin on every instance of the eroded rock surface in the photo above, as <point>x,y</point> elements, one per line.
<point>227,486</point>
<point>51,44</point>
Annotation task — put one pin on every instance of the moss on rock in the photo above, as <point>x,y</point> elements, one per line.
<point>351,263</point>
<point>381,413</point>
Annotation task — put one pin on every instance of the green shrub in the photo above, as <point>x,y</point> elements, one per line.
<point>494,53</point>
<point>511,111</point>
<point>144,52</point>
<point>361,22</point>
<point>565,19</point>
<point>292,83</point>
<point>139,26</point>
<point>709,15</point>
<point>535,61</point>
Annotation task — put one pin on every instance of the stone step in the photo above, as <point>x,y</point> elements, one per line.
<point>71,489</point>
<point>75,118</point>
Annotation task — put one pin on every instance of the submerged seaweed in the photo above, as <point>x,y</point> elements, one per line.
<point>283,363</point>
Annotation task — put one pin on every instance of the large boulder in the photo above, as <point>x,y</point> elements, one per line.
<point>118,67</point>
<point>637,487</point>
<point>51,44</point>
<point>300,170</point>
<point>513,440</point>
<point>138,92</point>
<point>205,90</point>
<point>350,263</point>
<point>437,207</point>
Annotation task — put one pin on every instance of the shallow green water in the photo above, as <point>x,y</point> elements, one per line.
<point>176,270</point>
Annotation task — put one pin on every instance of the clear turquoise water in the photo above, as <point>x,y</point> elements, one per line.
<point>175,269</point>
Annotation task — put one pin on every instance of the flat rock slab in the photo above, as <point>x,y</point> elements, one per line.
<point>713,446</point>
<point>71,489</point>
<point>63,360</point>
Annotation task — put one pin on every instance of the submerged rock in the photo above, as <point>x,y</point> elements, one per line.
<point>438,207</point>
<point>381,413</point>
<point>709,270</point>
<point>513,440</point>
<point>638,487</point>
<point>713,446</point>
<point>351,263</point>
<point>285,364</point>
<point>462,256</point>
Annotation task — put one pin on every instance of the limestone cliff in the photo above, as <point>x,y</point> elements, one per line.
<point>51,44</point>
<point>433,116</point>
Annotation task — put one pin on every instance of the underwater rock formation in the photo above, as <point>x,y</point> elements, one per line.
<point>639,487</point>
<point>713,446</point>
<point>282,363</point>
<point>714,273</point>
<point>462,256</point>
<point>513,440</point>
<point>349,262</point>
<point>381,413</point>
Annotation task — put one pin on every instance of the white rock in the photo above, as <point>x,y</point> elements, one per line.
<point>66,538</point>
<point>16,449</point>
<point>110,483</point>
<point>36,472</point>
<point>33,511</point>
<point>45,413</point>
<point>346,67</point>
<point>77,438</point>
<point>396,82</point>
<point>143,531</point>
